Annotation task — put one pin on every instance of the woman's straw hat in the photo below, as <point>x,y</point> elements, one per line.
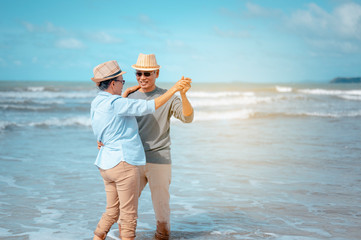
<point>146,62</point>
<point>106,71</point>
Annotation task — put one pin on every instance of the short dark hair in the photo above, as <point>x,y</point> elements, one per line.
<point>105,84</point>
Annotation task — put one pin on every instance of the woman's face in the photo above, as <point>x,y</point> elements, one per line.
<point>118,85</point>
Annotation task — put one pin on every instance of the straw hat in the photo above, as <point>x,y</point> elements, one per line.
<point>106,71</point>
<point>146,62</point>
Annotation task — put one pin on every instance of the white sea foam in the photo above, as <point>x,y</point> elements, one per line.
<point>227,115</point>
<point>330,92</point>
<point>332,115</point>
<point>218,94</point>
<point>10,181</point>
<point>73,121</point>
<point>5,232</point>
<point>6,124</point>
<point>283,89</point>
<point>35,89</point>
<point>113,234</point>
<point>204,102</point>
<point>293,237</point>
<point>31,101</point>
<point>52,122</point>
<point>47,216</point>
<point>23,107</point>
<point>351,97</point>
<point>225,232</point>
<point>48,94</point>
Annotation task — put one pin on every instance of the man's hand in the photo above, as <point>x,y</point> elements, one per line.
<point>100,144</point>
<point>185,88</point>
<point>183,83</point>
<point>130,90</point>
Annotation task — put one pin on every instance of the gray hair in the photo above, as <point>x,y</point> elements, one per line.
<point>105,84</point>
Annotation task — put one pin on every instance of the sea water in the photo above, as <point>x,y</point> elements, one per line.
<point>260,161</point>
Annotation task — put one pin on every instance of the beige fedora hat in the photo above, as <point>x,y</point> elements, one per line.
<point>146,62</point>
<point>106,71</point>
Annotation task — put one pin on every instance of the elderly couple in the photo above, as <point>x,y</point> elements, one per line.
<point>132,131</point>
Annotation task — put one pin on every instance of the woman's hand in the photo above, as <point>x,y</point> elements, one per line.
<point>130,90</point>
<point>100,144</point>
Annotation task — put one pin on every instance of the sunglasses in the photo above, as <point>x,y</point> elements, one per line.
<point>123,81</point>
<point>146,74</point>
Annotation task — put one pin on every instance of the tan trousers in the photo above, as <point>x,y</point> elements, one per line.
<point>122,190</point>
<point>159,178</point>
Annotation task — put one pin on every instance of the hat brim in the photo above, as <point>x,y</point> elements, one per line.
<point>145,68</point>
<point>98,80</point>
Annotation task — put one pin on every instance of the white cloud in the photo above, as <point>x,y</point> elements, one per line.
<point>104,37</point>
<point>348,17</point>
<point>47,27</point>
<point>29,26</point>
<point>230,33</point>
<point>17,62</point>
<point>175,43</point>
<point>335,31</point>
<point>145,19</point>
<point>69,43</point>
<point>327,44</point>
<point>148,27</point>
<point>314,19</point>
<point>255,10</point>
<point>343,22</point>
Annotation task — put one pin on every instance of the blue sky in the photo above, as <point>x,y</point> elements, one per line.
<point>209,41</point>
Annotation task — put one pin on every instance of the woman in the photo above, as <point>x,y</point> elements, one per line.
<point>114,124</point>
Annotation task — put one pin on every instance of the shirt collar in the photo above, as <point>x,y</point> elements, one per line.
<point>104,93</point>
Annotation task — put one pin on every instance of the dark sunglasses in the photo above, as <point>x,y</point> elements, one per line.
<point>146,74</point>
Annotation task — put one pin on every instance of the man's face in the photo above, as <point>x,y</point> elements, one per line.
<point>146,79</point>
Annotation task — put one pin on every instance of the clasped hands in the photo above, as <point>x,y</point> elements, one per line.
<point>183,85</point>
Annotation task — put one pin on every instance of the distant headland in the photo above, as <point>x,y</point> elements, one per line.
<point>346,80</point>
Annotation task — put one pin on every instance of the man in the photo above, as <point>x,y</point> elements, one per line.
<point>154,132</point>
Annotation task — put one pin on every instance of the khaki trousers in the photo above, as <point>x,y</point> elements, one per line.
<point>122,190</point>
<point>159,178</point>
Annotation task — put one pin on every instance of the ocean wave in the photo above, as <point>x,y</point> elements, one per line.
<point>81,121</point>
<point>350,97</point>
<point>330,92</point>
<point>203,94</point>
<point>283,89</point>
<point>307,114</point>
<point>48,94</point>
<point>332,115</point>
<point>45,108</point>
<point>59,122</point>
<point>6,125</point>
<point>31,101</point>
<point>35,89</point>
<point>24,108</point>
<point>230,101</point>
<point>226,115</point>
<point>251,114</point>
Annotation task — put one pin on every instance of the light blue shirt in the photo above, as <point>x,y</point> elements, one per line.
<point>114,124</point>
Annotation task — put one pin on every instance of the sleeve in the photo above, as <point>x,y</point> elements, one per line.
<point>133,107</point>
<point>177,110</point>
